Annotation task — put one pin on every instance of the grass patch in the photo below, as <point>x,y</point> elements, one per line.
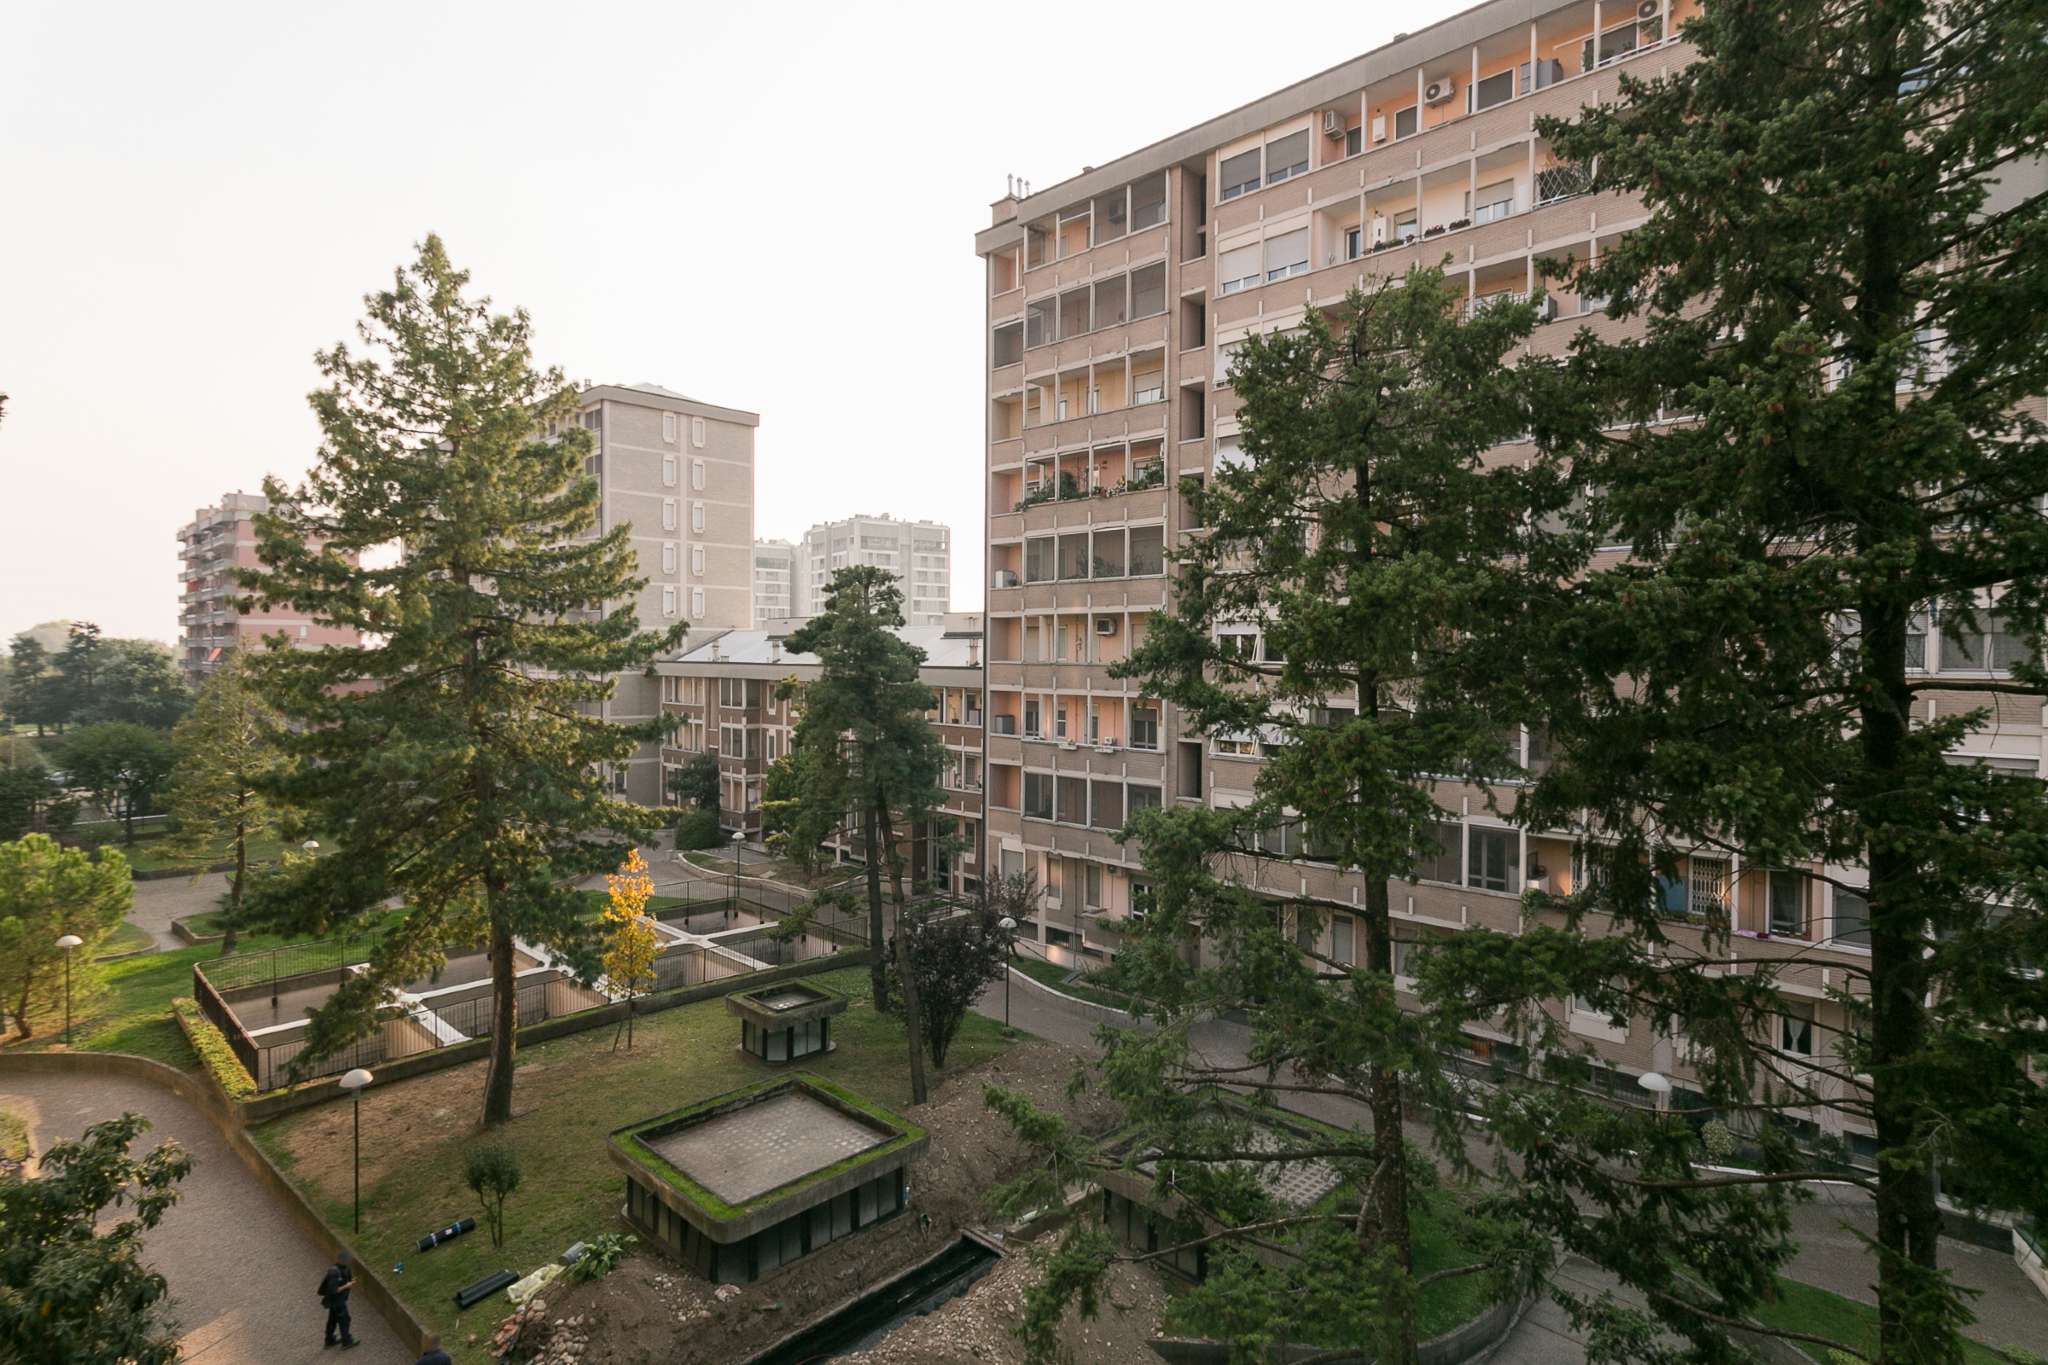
<point>1068,981</point>
<point>13,1136</point>
<point>127,937</point>
<point>149,855</point>
<point>1803,1308</point>
<point>595,902</point>
<point>571,1092</point>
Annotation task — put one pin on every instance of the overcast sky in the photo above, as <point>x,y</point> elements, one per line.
<point>764,206</point>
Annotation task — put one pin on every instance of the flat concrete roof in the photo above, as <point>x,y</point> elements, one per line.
<point>746,1152</point>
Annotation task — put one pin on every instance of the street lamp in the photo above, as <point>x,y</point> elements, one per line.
<point>354,1082</point>
<point>1008,926</point>
<point>67,943</point>
<point>1659,1085</point>
<point>739,837</point>
<point>311,845</point>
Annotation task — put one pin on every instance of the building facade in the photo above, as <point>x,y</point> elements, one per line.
<point>1115,303</point>
<point>919,553</point>
<point>721,693</point>
<point>775,576</point>
<point>680,473</point>
<point>217,541</point>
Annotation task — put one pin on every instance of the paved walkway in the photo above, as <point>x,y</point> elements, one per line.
<point>163,899</point>
<point>242,1274</point>
<point>2010,1311</point>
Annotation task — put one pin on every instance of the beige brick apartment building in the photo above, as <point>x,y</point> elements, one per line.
<point>722,695</point>
<point>1115,302</point>
<point>681,473</point>
<point>217,541</point>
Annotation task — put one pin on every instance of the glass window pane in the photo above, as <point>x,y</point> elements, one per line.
<point>1111,215</point>
<point>1009,345</point>
<point>1287,254</point>
<point>1148,290</point>
<point>1237,269</point>
<point>1148,202</point>
<point>1286,157</point>
<point>1239,173</point>
<point>1405,121</point>
<point>1109,302</point>
<point>1852,918</point>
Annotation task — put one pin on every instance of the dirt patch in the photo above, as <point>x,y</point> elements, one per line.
<point>650,1309</point>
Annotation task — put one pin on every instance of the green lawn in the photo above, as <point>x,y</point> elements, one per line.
<point>126,938</point>
<point>13,1136</point>
<point>1068,981</point>
<point>570,1092</point>
<point>1803,1308</point>
<point>149,855</point>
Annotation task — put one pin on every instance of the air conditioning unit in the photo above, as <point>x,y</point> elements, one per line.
<point>1333,123</point>
<point>1006,578</point>
<point>1105,625</point>
<point>1379,231</point>
<point>1379,127</point>
<point>1439,92</point>
<point>1650,9</point>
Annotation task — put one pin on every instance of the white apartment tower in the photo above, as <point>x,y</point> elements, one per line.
<point>919,553</point>
<point>774,580</point>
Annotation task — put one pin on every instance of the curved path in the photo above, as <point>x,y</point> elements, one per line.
<point>241,1272</point>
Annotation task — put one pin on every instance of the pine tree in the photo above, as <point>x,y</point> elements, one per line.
<point>867,751</point>
<point>455,755</point>
<point>1840,278</point>
<point>1360,543</point>
<point>227,749</point>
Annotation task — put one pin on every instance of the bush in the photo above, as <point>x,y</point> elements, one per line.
<point>600,1255</point>
<point>493,1172</point>
<point>698,829</point>
<point>215,1054</point>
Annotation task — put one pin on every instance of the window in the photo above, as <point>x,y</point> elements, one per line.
<point>1787,892</point>
<point>1239,746</point>
<point>1148,290</point>
<point>668,427</point>
<point>1852,918</point>
<point>1490,856</point>
<point>1241,645</point>
<point>1148,202</point>
<point>1238,174</point>
<point>1795,1028</point>
<point>697,517</point>
<point>1033,727</point>
<point>1354,141</point>
<point>1144,725</point>
<point>1287,255</point>
<point>1148,550</point>
<point>668,470</point>
<point>697,603</point>
<point>1405,227</point>
<point>1237,269</point>
<point>697,475</point>
<point>697,560</point>
<point>1287,156</point>
<point>1074,313</point>
<point>1916,641</point>
<point>1406,121</point>
<point>1111,215</point>
<point>1038,321</point>
<point>1038,795</point>
<point>1343,942</point>
<point>1498,88</point>
<point>1352,240</point>
<point>1492,202</point>
<point>697,432</point>
<point>668,557</point>
<point>668,514</point>
<point>1442,864</point>
<point>1110,297</point>
<point>1137,798</point>
<point>1008,346</point>
<point>668,601</point>
<point>1984,645</point>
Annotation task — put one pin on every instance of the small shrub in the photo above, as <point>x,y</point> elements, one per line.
<point>698,829</point>
<point>215,1054</point>
<point>600,1256</point>
<point>1718,1140</point>
<point>493,1172</point>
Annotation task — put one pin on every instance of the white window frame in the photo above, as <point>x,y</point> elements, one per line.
<point>669,556</point>
<point>668,427</point>
<point>697,560</point>
<point>668,471</point>
<point>697,432</point>
<point>668,514</point>
<point>668,601</point>
<point>697,604</point>
<point>697,474</point>
<point>697,517</point>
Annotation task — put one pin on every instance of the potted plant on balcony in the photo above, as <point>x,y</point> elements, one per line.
<point>1069,486</point>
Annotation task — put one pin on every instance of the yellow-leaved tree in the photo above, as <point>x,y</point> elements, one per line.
<point>630,940</point>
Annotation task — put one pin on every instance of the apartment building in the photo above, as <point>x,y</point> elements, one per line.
<point>722,694</point>
<point>1115,302</point>
<point>919,553</point>
<point>680,473</point>
<point>217,541</point>
<point>775,575</point>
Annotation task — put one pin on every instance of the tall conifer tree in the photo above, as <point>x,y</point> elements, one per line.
<point>456,755</point>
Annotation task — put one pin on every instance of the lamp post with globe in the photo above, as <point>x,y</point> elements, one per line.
<point>354,1082</point>
<point>68,943</point>
<point>1009,927</point>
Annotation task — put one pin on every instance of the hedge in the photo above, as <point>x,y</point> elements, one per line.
<point>215,1055</point>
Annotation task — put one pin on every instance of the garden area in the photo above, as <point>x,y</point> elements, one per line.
<point>572,1091</point>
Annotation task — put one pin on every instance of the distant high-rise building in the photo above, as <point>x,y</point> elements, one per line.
<point>919,553</point>
<point>774,580</point>
<point>217,541</point>
<point>681,473</point>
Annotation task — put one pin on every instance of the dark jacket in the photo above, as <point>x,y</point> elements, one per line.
<point>437,1356</point>
<point>335,1284</point>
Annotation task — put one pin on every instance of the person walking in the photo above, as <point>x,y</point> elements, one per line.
<point>434,1354</point>
<point>334,1287</point>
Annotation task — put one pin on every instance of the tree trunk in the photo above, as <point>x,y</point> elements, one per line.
<point>1388,1217</point>
<point>233,918</point>
<point>913,1023</point>
<point>505,1022</point>
<point>878,939</point>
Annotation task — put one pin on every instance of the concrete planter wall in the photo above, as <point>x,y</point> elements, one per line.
<point>410,1331</point>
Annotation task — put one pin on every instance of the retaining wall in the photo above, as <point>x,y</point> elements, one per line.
<point>1460,1344</point>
